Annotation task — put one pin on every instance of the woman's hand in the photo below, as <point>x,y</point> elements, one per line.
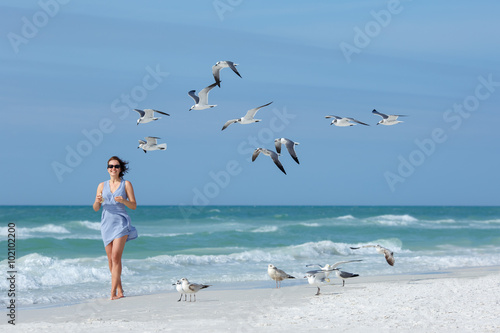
<point>120,199</point>
<point>98,198</point>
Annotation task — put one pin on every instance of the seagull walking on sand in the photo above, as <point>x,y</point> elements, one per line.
<point>220,65</point>
<point>388,254</point>
<point>201,101</point>
<point>388,119</point>
<point>317,278</point>
<point>178,287</point>
<point>344,121</point>
<point>147,115</point>
<point>248,118</point>
<point>290,146</point>
<point>277,275</point>
<point>151,144</point>
<point>192,288</point>
<point>271,154</point>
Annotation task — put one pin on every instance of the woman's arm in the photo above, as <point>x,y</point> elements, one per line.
<point>130,203</point>
<point>98,197</point>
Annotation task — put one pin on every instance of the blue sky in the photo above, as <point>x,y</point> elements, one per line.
<point>72,71</point>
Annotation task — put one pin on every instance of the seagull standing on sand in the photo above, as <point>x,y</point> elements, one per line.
<point>220,65</point>
<point>289,144</point>
<point>270,153</point>
<point>147,115</point>
<point>277,274</point>
<point>151,144</point>
<point>248,118</point>
<point>192,288</point>
<point>201,102</point>
<point>388,254</point>
<point>178,287</point>
<point>317,278</point>
<point>388,119</point>
<point>344,275</point>
<point>344,121</point>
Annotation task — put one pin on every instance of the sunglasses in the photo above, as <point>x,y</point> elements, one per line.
<point>117,166</point>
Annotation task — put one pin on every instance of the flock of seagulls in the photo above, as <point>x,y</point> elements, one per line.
<point>318,277</point>
<point>201,103</point>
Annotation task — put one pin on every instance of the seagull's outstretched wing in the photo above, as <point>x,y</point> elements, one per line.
<point>290,146</point>
<point>142,113</point>
<point>164,113</point>
<point>229,122</point>
<point>193,96</point>
<point>233,67</point>
<point>380,114</point>
<point>251,113</point>
<point>151,140</point>
<point>357,121</point>
<point>276,160</point>
<point>204,93</point>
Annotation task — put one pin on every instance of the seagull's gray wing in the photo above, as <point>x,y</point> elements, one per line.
<point>256,153</point>
<point>193,96</point>
<point>332,116</point>
<point>142,113</point>
<point>232,65</point>
<point>166,114</point>
<point>229,122</point>
<point>251,113</point>
<point>277,144</point>
<point>142,141</point>
<point>151,140</point>
<point>380,114</point>
<point>204,93</point>
<point>389,257</point>
<point>357,121</point>
<point>346,275</point>
<point>276,160</point>
<point>216,73</point>
<point>290,146</point>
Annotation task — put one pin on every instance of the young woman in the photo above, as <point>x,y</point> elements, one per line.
<point>114,195</point>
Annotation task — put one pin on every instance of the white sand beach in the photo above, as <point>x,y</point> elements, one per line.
<point>464,300</point>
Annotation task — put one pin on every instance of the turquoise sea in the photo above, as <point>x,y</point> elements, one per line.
<point>60,256</point>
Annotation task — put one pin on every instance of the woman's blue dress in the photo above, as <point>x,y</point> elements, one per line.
<point>115,222</point>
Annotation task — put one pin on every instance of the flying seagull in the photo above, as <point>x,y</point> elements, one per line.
<point>388,119</point>
<point>192,288</point>
<point>388,254</point>
<point>178,287</point>
<point>329,268</point>
<point>290,146</point>
<point>248,118</point>
<point>151,144</point>
<point>147,115</point>
<point>277,274</point>
<point>201,102</point>
<point>220,65</point>
<point>271,154</point>
<point>344,121</point>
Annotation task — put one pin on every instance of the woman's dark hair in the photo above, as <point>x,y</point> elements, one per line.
<point>123,165</point>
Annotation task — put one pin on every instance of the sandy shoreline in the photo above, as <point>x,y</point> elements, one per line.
<point>463,300</point>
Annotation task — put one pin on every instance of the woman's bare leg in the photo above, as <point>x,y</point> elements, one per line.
<point>114,251</point>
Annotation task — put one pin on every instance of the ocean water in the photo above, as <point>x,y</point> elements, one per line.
<point>60,256</point>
